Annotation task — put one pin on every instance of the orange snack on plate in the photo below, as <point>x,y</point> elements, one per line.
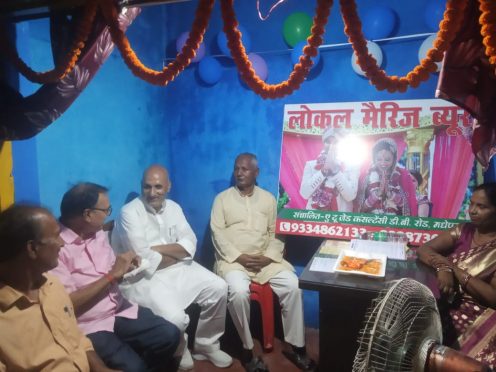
<point>349,263</point>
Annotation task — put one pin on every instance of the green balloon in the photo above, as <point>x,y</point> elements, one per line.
<point>297,27</point>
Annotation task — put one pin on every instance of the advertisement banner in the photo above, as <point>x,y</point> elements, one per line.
<point>393,166</point>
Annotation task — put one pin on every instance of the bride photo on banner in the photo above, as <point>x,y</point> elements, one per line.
<point>386,188</point>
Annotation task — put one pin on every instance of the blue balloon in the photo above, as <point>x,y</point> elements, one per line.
<point>210,70</point>
<point>222,41</point>
<point>378,22</point>
<point>298,51</point>
<point>434,13</point>
<point>259,65</point>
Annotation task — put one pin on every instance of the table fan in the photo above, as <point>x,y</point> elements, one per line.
<point>402,332</point>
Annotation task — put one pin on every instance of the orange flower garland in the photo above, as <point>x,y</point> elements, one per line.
<point>300,70</point>
<point>449,27</point>
<point>487,21</point>
<point>182,60</point>
<point>67,63</point>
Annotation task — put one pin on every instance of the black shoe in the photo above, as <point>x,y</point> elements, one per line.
<point>302,361</point>
<point>256,364</point>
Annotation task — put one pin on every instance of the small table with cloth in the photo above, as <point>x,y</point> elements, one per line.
<point>343,302</point>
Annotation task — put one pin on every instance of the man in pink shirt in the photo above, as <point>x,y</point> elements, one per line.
<point>125,336</point>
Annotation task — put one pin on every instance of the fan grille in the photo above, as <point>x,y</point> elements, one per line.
<point>400,320</point>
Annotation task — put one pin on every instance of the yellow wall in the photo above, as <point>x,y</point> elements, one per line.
<point>6,179</point>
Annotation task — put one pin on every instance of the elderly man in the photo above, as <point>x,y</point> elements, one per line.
<point>125,336</point>
<point>155,228</point>
<point>39,329</point>
<point>327,182</point>
<point>242,224</point>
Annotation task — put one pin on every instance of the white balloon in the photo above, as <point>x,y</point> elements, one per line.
<point>376,52</point>
<point>424,48</point>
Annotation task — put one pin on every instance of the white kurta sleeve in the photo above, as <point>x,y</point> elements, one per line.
<point>311,180</point>
<point>185,236</point>
<point>129,234</point>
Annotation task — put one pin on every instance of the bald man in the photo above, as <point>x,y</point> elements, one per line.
<point>156,229</point>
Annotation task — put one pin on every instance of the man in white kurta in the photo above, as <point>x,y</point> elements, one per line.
<point>157,230</point>
<point>243,224</point>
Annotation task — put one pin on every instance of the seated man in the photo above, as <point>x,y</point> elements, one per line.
<point>125,336</point>
<point>242,224</point>
<point>155,228</point>
<point>39,329</point>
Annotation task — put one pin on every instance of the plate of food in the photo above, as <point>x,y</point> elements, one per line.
<point>361,263</point>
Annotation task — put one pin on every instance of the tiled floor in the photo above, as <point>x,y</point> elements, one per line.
<point>275,360</point>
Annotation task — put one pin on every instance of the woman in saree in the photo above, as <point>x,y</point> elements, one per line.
<point>465,262</point>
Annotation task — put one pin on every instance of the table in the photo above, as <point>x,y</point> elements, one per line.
<point>343,302</point>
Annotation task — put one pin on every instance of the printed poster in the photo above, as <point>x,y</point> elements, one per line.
<point>393,166</point>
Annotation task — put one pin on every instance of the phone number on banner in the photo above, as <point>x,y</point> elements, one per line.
<point>328,230</point>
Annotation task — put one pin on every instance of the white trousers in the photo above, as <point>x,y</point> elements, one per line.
<point>171,290</point>
<point>285,285</point>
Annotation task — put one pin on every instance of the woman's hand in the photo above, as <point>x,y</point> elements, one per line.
<point>446,282</point>
<point>437,260</point>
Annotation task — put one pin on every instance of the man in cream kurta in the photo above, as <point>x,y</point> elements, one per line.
<point>242,224</point>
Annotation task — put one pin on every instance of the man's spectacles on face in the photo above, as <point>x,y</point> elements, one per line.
<point>107,211</point>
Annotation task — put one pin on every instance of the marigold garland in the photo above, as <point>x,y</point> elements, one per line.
<point>487,20</point>
<point>449,27</point>
<point>67,63</point>
<point>300,70</point>
<point>183,59</point>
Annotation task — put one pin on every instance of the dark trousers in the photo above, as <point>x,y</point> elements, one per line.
<point>143,344</point>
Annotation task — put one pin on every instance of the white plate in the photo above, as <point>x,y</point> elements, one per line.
<point>365,255</point>
<point>145,264</point>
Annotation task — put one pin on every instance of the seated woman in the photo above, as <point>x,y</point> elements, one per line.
<point>387,188</point>
<point>465,262</point>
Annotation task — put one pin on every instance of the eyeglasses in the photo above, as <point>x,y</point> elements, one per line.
<point>107,211</point>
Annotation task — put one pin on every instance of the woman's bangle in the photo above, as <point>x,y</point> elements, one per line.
<point>465,279</point>
<point>110,278</point>
<point>444,268</point>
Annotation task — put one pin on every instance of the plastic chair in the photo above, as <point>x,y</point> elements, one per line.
<point>262,293</point>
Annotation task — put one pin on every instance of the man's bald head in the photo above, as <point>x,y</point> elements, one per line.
<point>156,169</point>
<point>155,185</point>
